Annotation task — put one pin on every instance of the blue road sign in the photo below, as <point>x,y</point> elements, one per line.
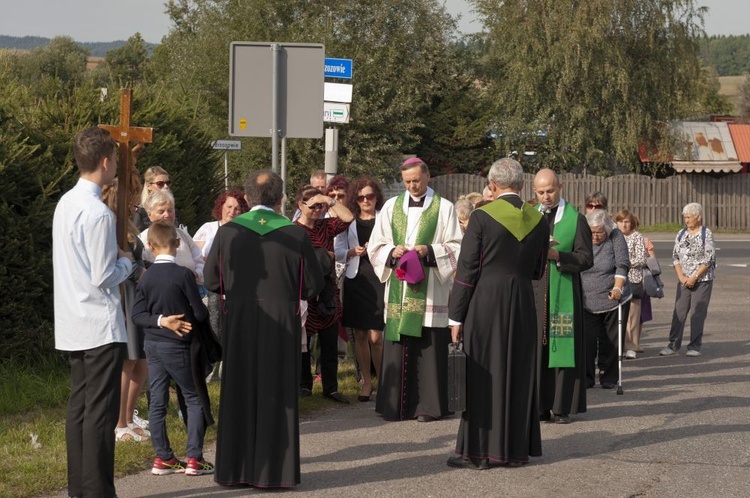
<point>338,68</point>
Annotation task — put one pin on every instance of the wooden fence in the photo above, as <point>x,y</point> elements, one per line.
<point>725,201</point>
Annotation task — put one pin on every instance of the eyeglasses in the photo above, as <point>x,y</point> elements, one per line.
<point>594,206</point>
<point>316,207</point>
<point>161,184</point>
<point>338,197</point>
<point>362,198</point>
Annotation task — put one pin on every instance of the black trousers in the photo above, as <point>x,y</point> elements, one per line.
<point>93,410</point>
<point>594,325</point>
<point>328,339</point>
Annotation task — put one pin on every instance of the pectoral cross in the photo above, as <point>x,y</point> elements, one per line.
<point>129,182</point>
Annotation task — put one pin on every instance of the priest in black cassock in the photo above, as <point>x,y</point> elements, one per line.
<point>264,265</point>
<point>492,309</point>
<point>559,304</point>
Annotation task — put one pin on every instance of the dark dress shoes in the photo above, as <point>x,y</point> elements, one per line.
<point>562,419</point>
<point>305,393</point>
<point>425,418</point>
<point>337,397</point>
<point>459,463</point>
<point>608,385</point>
<point>546,417</point>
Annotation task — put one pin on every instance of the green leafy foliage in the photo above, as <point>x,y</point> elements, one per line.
<point>598,77</point>
<point>730,55</point>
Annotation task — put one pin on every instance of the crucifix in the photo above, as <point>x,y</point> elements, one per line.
<point>124,135</point>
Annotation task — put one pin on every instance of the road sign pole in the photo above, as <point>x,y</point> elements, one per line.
<point>275,52</point>
<point>226,172</point>
<point>283,171</point>
<point>332,152</point>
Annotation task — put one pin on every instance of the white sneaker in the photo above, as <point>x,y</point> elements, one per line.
<point>630,354</point>
<point>693,352</point>
<point>667,351</point>
<point>143,424</point>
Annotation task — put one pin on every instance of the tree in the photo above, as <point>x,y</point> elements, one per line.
<point>744,105</point>
<point>62,59</point>
<point>403,67</point>
<point>128,64</point>
<point>597,76</point>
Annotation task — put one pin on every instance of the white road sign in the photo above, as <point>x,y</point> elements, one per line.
<point>337,92</point>
<point>227,144</point>
<point>335,112</point>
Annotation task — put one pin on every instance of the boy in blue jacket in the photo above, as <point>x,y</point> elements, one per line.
<point>167,303</point>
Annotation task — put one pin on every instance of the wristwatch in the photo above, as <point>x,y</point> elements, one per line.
<point>332,203</point>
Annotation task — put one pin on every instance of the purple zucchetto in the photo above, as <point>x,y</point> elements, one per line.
<point>413,160</point>
<point>410,268</point>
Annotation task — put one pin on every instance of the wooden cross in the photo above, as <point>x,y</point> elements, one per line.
<point>124,134</point>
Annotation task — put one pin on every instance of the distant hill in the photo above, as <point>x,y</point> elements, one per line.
<point>97,49</point>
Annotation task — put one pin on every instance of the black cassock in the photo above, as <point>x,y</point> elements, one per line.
<point>258,431</point>
<point>493,297</point>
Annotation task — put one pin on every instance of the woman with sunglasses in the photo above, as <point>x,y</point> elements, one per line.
<point>313,205</point>
<point>155,178</point>
<point>363,291</point>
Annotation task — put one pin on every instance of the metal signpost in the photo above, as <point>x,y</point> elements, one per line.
<point>226,145</point>
<point>336,108</point>
<point>276,90</point>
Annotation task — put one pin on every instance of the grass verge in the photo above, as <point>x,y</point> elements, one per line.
<point>33,403</point>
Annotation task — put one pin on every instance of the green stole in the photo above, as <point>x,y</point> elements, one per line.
<point>261,221</point>
<point>561,302</point>
<point>518,221</point>
<point>405,316</point>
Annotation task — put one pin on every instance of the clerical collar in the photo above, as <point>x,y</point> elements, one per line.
<point>419,202</point>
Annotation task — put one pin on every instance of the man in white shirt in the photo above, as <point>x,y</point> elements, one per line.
<point>89,322</point>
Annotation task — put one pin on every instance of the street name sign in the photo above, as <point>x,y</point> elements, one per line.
<point>227,144</point>
<point>338,68</point>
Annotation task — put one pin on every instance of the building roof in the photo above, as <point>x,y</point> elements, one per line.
<point>705,142</point>
<point>741,138</point>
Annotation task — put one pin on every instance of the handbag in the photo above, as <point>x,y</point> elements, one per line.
<point>456,377</point>
<point>653,266</point>
<point>652,284</point>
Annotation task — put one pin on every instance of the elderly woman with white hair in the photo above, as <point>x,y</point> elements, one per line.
<point>694,256</point>
<point>159,205</point>
<point>605,288</point>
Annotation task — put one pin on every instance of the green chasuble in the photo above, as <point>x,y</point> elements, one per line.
<point>519,222</point>
<point>262,221</point>
<point>405,315</point>
<point>561,301</point>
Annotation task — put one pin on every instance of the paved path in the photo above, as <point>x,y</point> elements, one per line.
<point>681,429</point>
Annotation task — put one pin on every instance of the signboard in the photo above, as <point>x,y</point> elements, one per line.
<point>338,92</point>
<point>227,144</point>
<point>335,112</point>
<point>338,68</point>
<point>298,93</point>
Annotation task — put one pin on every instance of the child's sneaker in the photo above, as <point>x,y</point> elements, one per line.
<point>166,467</point>
<point>197,467</point>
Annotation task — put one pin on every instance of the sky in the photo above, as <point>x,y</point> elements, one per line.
<point>110,20</point>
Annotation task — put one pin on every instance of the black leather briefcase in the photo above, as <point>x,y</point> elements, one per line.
<point>456,377</point>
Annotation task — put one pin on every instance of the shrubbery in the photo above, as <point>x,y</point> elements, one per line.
<point>37,126</point>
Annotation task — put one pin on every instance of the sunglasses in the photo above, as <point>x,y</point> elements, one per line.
<point>369,197</point>
<point>161,185</point>
<point>594,206</point>
<point>338,197</point>
<point>316,207</point>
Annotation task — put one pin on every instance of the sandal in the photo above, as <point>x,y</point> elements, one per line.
<point>128,434</point>
<point>139,430</point>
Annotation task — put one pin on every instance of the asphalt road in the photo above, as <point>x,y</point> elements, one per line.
<point>680,429</point>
